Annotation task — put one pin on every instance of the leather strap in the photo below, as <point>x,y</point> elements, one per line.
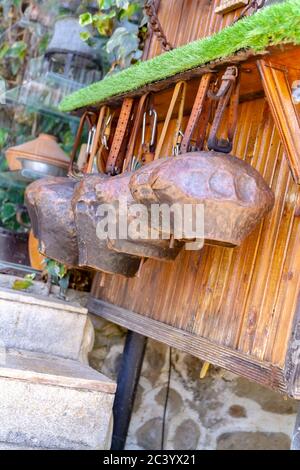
<point>228,92</point>
<point>233,110</point>
<point>179,88</point>
<point>97,142</point>
<point>91,119</point>
<point>113,165</point>
<point>196,111</point>
<point>203,124</point>
<point>134,133</point>
<point>228,80</point>
<point>103,152</point>
<point>147,148</point>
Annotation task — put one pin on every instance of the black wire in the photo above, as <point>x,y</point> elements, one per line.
<point>166,401</point>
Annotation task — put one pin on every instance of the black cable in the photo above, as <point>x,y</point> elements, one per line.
<point>166,401</point>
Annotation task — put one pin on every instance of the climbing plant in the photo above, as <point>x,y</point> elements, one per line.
<point>24,35</point>
<point>121,26</point>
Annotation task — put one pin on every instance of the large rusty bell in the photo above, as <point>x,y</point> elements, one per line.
<point>234,195</point>
<point>49,204</point>
<point>93,251</point>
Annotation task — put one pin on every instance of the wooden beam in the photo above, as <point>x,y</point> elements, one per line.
<point>222,356</point>
<point>279,96</point>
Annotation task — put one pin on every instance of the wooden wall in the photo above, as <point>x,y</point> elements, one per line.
<point>243,298</point>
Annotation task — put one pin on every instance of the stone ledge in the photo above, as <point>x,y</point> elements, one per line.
<point>50,370</point>
<point>27,298</point>
<point>34,321</point>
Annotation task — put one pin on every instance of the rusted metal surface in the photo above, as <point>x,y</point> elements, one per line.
<point>234,195</point>
<point>49,205</point>
<point>93,251</point>
<point>110,192</point>
<point>228,93</point>
<point>154,23</point>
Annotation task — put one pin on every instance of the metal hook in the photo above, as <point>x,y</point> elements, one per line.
<point>176,148</point>
<point>227,81</point>
<point>106,131</point>
<point>150,113</point>
<point>90,142</point>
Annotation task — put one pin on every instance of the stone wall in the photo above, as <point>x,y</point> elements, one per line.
<point>221,411</point>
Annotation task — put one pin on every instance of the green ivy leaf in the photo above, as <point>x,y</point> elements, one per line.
<point>85,19</point>
<point>18,50</point>
<point>85,35</point>
<point>22,285</point>
<point>43,44</point>
<point>15,66</point>
<point>129,11</point>
<point>8,211</point>
<point>62,271</point>
<point>104,23</point>
<point>3,136</point>
<point>122,43</point>
<point>4,50</point>
<point>64,282</point>
<point>105,4</point>
<point>52,267</point>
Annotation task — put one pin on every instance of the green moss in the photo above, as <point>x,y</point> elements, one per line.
<point>273,25</point>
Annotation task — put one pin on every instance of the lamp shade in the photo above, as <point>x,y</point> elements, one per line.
<point>43,149</point>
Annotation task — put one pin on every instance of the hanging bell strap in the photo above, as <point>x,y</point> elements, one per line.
<point>197,110</point>
<point>128,161</point>
<point>147,148</point>
<point>97,141</point>
<point>114,162</point>
<point>227,93</point>
<point>102,154</point>
<point>180,88</point>
<point>202,126</point>
<point>90,118</point>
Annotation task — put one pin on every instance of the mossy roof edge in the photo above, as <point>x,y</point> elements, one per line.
<point>273,25</point>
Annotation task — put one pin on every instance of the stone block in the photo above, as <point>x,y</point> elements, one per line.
<point>44,324</point>
<point>53,403</point>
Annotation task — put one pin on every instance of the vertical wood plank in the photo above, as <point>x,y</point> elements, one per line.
<point>278,93</point>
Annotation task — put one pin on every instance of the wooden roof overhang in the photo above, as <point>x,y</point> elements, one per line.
<point>245,59</point>
<point>276,25</point>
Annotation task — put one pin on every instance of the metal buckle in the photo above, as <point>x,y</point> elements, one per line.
<point>106,131</point>
<point>176,148</point>
<point>152,114</point>
<point>90,142</point>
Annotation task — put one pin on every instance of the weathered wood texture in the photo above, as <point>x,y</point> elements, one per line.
<point>284,112</point>
<point>237,362</point>
<point>242,299</point>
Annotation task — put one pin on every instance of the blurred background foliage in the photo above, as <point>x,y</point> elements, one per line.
<point>121,27</point>
<point>116,29</point>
